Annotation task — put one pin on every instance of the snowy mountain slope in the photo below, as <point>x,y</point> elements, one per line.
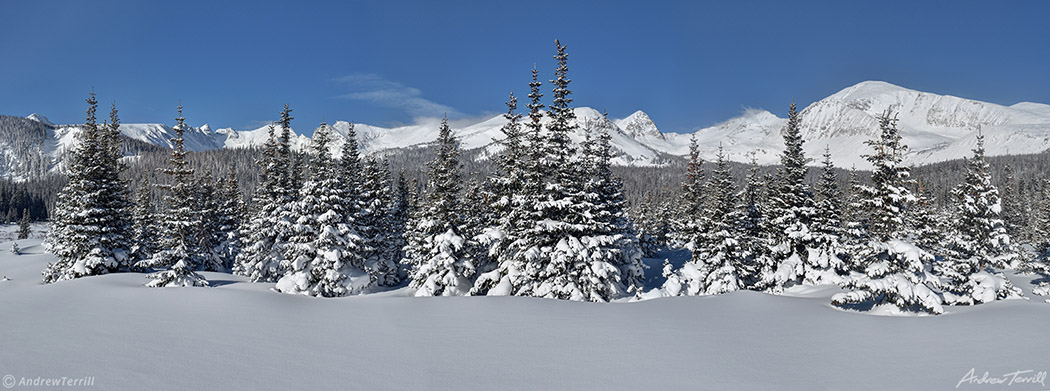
<point>129,337</point>
<point>627,149</point>
<point>935,127</point>
<point>229,138</point>
<point>639,124</point>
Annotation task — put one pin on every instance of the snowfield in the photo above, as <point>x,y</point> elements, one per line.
<point>242,336</point>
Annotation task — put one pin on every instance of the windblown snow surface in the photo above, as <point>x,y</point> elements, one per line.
<point>242,336</point>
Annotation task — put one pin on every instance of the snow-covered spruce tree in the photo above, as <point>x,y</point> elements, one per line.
<point>518,192</point>
<point>894,270</point>
<point>144,224</point>
<point>90,227</point>
<point>180,225</point>
<point>266,230</point>
<point>1040,238</point>
<point>827,251</point>
<point>437,250</point>
<point>478,222</point>
<point>690,220</point>
<point>506,186</point>
<point>554,246</point>
<point>209,238</point>
<point>718,264</point>
<point>1014,207</point>
<point>1041,226</point>
<point>23,225</point>
<point>399,207</point>
<point>229,215</point>
<point>349,172</point>
<point>854,220</point>
<point>375,225</point>
<point>611,237</point>
<point>791,214</point>
<point>645,221</point>
<point>318,254</point>
<point>980,243</point>
<point>926,224</point>
<point>287,169</point>
<point>754,235</point>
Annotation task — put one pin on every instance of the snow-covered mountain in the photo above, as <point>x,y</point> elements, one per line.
<point>935,127</point>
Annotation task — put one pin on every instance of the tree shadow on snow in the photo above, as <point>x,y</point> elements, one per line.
<point>654,277</point>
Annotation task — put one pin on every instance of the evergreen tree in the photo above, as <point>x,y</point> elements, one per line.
<point>553,246</point>
<point>690,222</point>
<point>317,255</point>
<point>23,225</point>
<point>926,226</point>
<point>374,224</point>
<point>90,229</point>
<point>208,242</point>
<point>647,223</point>
<point>506,201</point>
<point>1013,207</point>
<point>1041,226</point>
<point>437,250</point>
<point>718,264</point>
<point>350,174</point>
<point>229,217</point>
<point>181,223</point>
<point>286,158</point>
<point>754,234</point>
<point>612,235</point>
<point>894,269</point>
<point>144,224</point>
<point>266,231</point>
<point>980,242</point>
<point>399,210</point>
<point>260,233</point>
<point>791,215</point>
<point>827,229</point>
<point>855,234</point>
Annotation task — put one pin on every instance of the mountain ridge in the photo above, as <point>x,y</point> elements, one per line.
<point>936,128</point>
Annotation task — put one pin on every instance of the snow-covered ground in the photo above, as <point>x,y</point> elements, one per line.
<point>238,335</point>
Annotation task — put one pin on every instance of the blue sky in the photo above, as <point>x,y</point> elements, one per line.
<point>689,64</point>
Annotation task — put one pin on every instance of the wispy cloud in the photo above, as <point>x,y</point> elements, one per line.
<point>378,90</point>
<point>255,124</point>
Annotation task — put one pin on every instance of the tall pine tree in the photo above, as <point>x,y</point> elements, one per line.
<point>90,229</point>
<point>719,263</point>
<point>791,215</point>
<point>981,241</point>
<point>145,234</point>
<point>894,270</point>
<point>23,225</point>
<point>827,229</point>
<point>265,232</point>
<point>374,223</point>
<point>181,224</point>
<point>439,254</point>
<point>317,257</point>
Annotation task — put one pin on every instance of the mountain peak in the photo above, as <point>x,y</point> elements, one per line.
<point>639,124</point>
<point>868,89</point>
<point>40,118</point>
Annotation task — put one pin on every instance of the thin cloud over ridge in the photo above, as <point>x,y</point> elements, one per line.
<point>376,89</point>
